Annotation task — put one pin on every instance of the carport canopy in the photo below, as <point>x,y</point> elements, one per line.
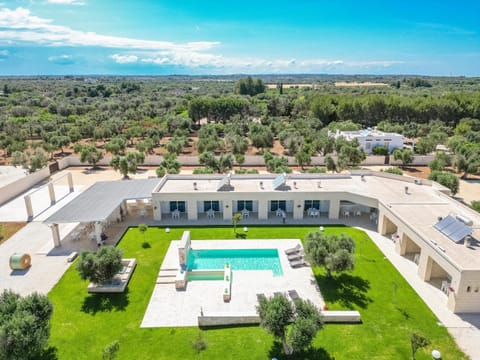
<point>100,200</point>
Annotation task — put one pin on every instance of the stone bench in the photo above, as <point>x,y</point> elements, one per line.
<point>72,256</point>
<point>333,316</point>
<point>118,283</point>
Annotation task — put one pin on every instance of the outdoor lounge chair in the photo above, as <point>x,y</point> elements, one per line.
<point>297,256</point>
<point>293,250</point>
<point>293,295</point>
<point>298,263</point>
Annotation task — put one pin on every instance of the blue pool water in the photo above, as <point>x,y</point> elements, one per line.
<point>239,259</point>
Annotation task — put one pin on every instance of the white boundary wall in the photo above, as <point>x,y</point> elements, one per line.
<point>12,190</point>
<point>250,160</point>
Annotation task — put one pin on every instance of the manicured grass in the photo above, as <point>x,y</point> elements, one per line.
<point>83,324</point>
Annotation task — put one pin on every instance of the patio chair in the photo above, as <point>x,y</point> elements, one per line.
<point>297,256</point>
<point>293,295</point>
<point>293,250</point>
<point>298,263</point>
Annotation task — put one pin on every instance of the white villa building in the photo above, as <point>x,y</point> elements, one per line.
<point>437,233</point>
<point>369,138</point>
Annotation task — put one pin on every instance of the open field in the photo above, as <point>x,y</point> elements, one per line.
<point>355,83</point>
<point>289,86</point>
<point>83,324</point>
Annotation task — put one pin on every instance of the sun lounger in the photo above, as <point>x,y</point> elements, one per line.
<point>293,250</point>
<point>278,293</point>
<point>296,256</point>
<point>298,263</point>
<point>293,295</point>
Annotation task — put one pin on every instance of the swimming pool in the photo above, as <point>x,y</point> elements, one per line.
<point>205,275</point>
<point>239,259</point>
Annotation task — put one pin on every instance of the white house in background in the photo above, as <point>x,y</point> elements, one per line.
<point>370,138</point>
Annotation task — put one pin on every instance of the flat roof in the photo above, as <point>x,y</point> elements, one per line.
<point>99,201</point>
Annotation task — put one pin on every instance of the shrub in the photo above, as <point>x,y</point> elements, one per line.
<point>393,170</point>
<point>101,266</point>
<point>24,325</point>
<point>199,344</point>
<point>446,179</point>
<point>317,170</point>
<point>205,170</point>
<point>475,205</point>
<point>380,150</point>
<point>160,172</point>
<point>110,351</point>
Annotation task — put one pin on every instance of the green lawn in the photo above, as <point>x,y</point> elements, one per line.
<point>83,324</point>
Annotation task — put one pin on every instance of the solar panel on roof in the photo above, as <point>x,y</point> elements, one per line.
<point>452,228</point>
<point>455,229</point>
<point>460,234</point>
<point>279,181</point>
<point>224,183</point>
<point>444,222</point>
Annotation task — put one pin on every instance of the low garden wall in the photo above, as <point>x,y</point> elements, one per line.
<point>12,190</point>
<point>227,320</point>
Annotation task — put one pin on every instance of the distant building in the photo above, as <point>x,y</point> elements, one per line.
<point>370,138</point>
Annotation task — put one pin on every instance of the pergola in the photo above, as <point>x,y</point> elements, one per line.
<point>99,203</point>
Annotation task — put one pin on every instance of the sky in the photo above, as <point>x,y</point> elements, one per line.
<point>164,37</point>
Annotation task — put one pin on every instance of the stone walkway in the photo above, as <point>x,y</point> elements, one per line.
<point>465,328</point>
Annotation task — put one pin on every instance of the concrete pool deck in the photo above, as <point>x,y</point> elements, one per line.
<point>171,308</point>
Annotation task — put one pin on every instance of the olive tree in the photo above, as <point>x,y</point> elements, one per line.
<point>24,325</point>
<point>101,266</point>
<point>127,164</point>
<point>295,329</point>
<point>446,179</point>
<point>276,313</point>
<point>334,253</point>
<point>90,154</point>
<point>404,155</point>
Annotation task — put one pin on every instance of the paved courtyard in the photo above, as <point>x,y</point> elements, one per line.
<point>169,307</point>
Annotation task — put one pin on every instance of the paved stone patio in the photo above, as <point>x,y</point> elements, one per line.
<point>170,308</point>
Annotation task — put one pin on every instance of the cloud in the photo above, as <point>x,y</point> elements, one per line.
<point>196,60</point>
<point>20,26</point>
<point>66,2</point>
<point>4,54</point>
<point>124,59</point>
<point>62,59</point>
